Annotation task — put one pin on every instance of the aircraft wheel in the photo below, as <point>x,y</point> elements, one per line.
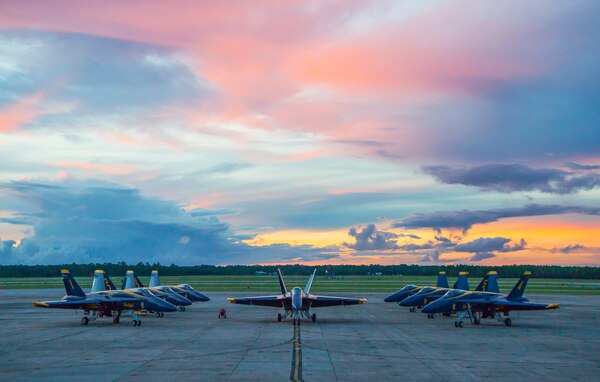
<point>84,321</point>
<point>139,323</point>
<point>134,323</point>
<point>455,324</point>
<point>508,322</point>
<point>476,321</point>
<point>314,317</point>
<point>157,314</point>
<point>116,320</point>
<point>432,315</point>
<point>278,317</point>
<point>460,324</point>
<point>183,308</point>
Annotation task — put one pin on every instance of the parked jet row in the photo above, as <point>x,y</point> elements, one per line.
<point>105,300</point>
<point>297,303</point>
<point>478,305</point>
<point>484,302</point>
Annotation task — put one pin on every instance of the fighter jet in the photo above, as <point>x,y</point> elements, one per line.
<point>478,305</point>
<point>409,290</point>
<point>133,284</point>
<point>428,294</point>
<point>184,290</point>
<point>297,303</point>
<point>104,303</point>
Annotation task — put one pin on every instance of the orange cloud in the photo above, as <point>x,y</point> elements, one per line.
<point>14,115</point>
<point>112,169</point>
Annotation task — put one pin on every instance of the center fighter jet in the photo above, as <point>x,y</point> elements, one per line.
<point>409,290</point>
<point>480,305</point>
<point>103,303</point>
<point>297,303</point>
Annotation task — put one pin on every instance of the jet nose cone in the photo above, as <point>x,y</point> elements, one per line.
<point>395,297</point>
<point>438,306</point>
<point>202,297</point>
<point>409,301</point>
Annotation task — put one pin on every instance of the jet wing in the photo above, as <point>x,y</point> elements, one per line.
<point>275,301</point>
<point>67,304</point>
<point>516,305</point>
<point>321,301</point>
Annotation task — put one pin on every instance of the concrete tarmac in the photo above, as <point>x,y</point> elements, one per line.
<point>377,341</point>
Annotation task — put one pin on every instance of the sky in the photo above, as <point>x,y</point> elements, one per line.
<point>316,132</point>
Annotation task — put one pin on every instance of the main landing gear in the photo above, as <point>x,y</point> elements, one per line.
<point>160,314</point>
<point>314,317</point>
<point>431,315</point>
<point>412,310</point>
<point>181,308</point>
<point>278,317</point>
<point>136,320</point>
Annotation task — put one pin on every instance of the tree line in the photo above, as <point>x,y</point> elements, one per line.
<point>505,271</point>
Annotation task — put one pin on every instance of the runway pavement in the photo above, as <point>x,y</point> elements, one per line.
<point>377,342</point>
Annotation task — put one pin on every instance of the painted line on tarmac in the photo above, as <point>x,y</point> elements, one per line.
<point>296,372</point>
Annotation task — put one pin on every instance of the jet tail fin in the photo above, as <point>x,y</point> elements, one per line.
<point>519,288</point>
<point>71,286</point>
<point>462,282</point>
<point>489,283</point>
<point>442,281</point>
<point>129,281</point>
<point>281,283</point>
<point>154,280</point>
<point>310,281</point>
<point>138,283</point>
<point>109,284</point>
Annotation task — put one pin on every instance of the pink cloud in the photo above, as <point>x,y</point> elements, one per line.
<point>14,115</point>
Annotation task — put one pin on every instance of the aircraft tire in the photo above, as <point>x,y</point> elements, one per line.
<point>476,321</point>
<point>116,320</point>
<point>432,315</point>
<point>278,317</point>
<point>139,323</point>
<point>84,321</point>
<point>314,317</point>
<point>455,324</point>
<point>134,323</point>
<point>508,322</point>
<point>460,324</point>
<point>157,314</point>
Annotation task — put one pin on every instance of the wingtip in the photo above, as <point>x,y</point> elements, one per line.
<point>231,300</point>
<point>553,306</point>
<point>362,300</point>
<point>39,304</point>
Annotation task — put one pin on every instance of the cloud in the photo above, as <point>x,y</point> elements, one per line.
<point>514,177</point>
<point>94,221</point>
<point>582,167</point>
<point>570,248</point>
<point>485,244</point>
<point>482,256</point>
<point>95,79</point>
<point>465,219</point>
<point>370,238</point>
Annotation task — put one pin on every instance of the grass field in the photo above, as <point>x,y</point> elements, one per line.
<point>321,284</point>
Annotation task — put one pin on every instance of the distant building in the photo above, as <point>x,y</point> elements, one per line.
<point>377,273</point>
<point>260,273</point>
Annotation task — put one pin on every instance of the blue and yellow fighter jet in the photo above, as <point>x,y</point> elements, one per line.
<point>297,303</point>
<point>409,290</point>
<point>103,283</point>
<point>184,290</point>
<point>103,303</point>
<point>489,283</point>
<point>479,305</point>
<point>133,284</point>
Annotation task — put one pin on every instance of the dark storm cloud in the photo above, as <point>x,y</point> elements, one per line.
<point>101,222</point>
<point>465,219</point>
<point>514,177</point>
<point>569,248</point>
<point>490,244</point>
<point>482,256</point>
